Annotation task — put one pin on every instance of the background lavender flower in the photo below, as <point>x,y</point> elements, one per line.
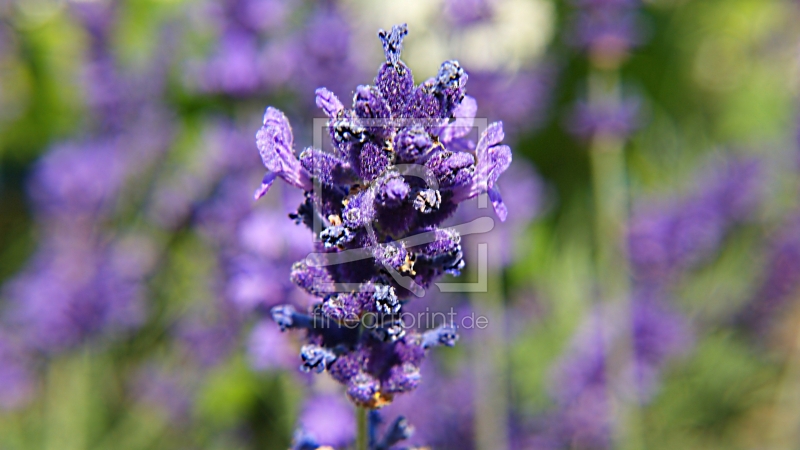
<point>618,120</point>
<point>520,98</point>
<point>607,30</point>
<point>581,387</point>
<point>666,239</point>
<point>526,197</point>
<point>255,57</point>
<point>16,376</point>
<point>160,389</point>
<point>76,288</point>
<point>330,419</point>
<point>778,281</point>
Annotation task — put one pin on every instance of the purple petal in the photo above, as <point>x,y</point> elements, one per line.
<point>465,116</point>
<point>500,157</point>
<point>498,205</point>
<point>274,141</point>
<point>269,178</point>
<point>274,118</point>
<point>328,102</point>
<point>493,135</point>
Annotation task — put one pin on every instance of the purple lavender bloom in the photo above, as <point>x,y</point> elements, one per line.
<point>664,240</point>
<point>275,144</point>
<point>308,436</point>
<point>269,349</point>
<point>75,288</point>
<point>387,182</point>
<point>526,200</point>
<point>589,120</point>
<point>581,377</point>
<point>606,29</point>
<point>156,387</point>
<point>16,377</point>
<point>779,280</point>
<point>329,419</point>
<point>520,98</point>
<point>467,12</point>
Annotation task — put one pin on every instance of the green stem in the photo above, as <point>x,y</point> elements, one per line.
<point>610,186</point>
<point>362,438</point>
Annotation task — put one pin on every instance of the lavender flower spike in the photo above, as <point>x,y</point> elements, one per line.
<point>391,179</point>
<point>275,141</point>
<point>328,102</point>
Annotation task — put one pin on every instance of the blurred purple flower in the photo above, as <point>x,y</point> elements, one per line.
<point>521,98</point>
<point>233,68</point>
<point>664,239</point>
<point>779,280</point>
<point>466,12</point>
<point>258,53</point>
<point>589,120</point>
<point>442,409</point>
<point>225,152</point>
<point>16,378</point>
<point>606,29</point>
<point>208,335</point>
<point>526,201</point>
<point>269,349</point>
<point>75,288</point>
<point>580,379</point>
<point>330,419</point>
<point>79,179</point>
<point>160,389</point>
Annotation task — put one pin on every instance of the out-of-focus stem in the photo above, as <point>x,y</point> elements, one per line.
<point>362,438</point>
<point>609,178</point>
<point>489,366</point>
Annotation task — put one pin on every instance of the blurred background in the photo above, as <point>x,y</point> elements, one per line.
<point>644,293</point>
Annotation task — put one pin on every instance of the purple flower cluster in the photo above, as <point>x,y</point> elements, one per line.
<point>376,204</point>
<point>664,240</point>
<point>617,119</point>
<point>779,282</point>
<point>76,287</point>
<point>329,419</point>
<point>258,51</point>
<point>255,261</point>
<point>582,391</point>
<point>520,98</point>
<point>467,12</point>
<point>16,381</point>
<point>606,29</point>
<point>396,432</point>
<point>86,280</point>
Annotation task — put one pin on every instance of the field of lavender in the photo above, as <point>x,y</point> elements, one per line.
<point>538,224</point>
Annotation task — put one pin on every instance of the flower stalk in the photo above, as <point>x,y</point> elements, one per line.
<point>611,200</point>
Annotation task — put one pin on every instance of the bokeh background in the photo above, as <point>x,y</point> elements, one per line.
<point>642,294</point>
